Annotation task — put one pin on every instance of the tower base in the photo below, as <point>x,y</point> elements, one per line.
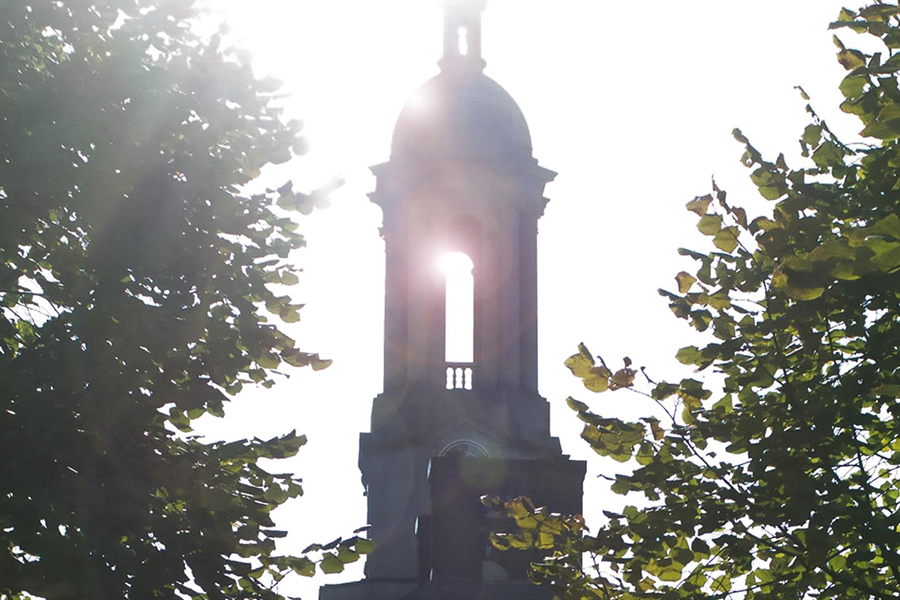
<point>436,590</point>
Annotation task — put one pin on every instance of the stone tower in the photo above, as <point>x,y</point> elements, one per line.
<point>461,178</point>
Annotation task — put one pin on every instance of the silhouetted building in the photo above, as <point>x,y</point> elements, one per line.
<point>448,429</point>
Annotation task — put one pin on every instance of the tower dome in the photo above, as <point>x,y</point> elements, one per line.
<point>461,116</point>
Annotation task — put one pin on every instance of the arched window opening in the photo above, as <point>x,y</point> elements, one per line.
<point>459,320</point>
<point>464,448</point>
<point>460,308</point>
<point>462,36</point>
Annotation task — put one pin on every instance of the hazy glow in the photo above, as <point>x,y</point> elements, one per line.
<point>634,119</point>
<point>460,308</point>
<point>419,102</point>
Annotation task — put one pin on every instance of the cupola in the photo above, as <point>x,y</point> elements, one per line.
<point>462,114</point>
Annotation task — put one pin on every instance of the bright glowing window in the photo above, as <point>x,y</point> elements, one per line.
<point>460,308</point>
<point>463,40</point>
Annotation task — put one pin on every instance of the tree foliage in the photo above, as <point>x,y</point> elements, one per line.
<point>775,476</point>
<point>137,286</point>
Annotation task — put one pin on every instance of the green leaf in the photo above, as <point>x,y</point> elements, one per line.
<point>321,364</point>
<point>347,556</point>
<point>645,454</point>
<point>726,239</point>
<point>828,155</point>
<point>889,112</point>
<point>331,564</point>
<point>879,11</point>
<point>699,546</point>
<point>289,315</point>
<point>721,583</point>
<point>883,130</point>
<point>620,486</point>
<point>671,573</point>
<point>688,355</point>
<point>763,224</point>
<point>812,134</point>
<point>851,59</point>
<point>803,293</point>
<point>365,546</point>
<point>829,250</point>
<point>720,300</point>
<point>890,225</point>
<point>724,404</point>
<point>304,567</point>
<point>852,86</point>
<point>664,390</point>
<point>741,215</point>
<point>710,224</point>
<point>268,361</point>
<point>576,405</point>
<point>889,390</point>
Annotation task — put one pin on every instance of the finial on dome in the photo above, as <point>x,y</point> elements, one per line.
<point>462,35</point>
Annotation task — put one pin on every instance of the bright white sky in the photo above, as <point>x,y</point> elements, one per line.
<point>631,102</point>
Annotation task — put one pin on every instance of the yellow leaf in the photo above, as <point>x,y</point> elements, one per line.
<point>519,507</point>
<point>699,205</point>
<point>522,542</point>
<point>685,281</point>
<point>801,293</point>
<point>597,379</point>
<point>527,522</point>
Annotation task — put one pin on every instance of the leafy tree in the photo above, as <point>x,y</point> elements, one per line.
<point>777,476</point>
<point>136,277</point>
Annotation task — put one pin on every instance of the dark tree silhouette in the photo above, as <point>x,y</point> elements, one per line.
<point>135,296</point>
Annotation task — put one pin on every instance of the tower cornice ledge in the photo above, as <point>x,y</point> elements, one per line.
<point>519,183</point>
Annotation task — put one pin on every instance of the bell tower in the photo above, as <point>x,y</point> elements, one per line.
<point>460,415</point>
